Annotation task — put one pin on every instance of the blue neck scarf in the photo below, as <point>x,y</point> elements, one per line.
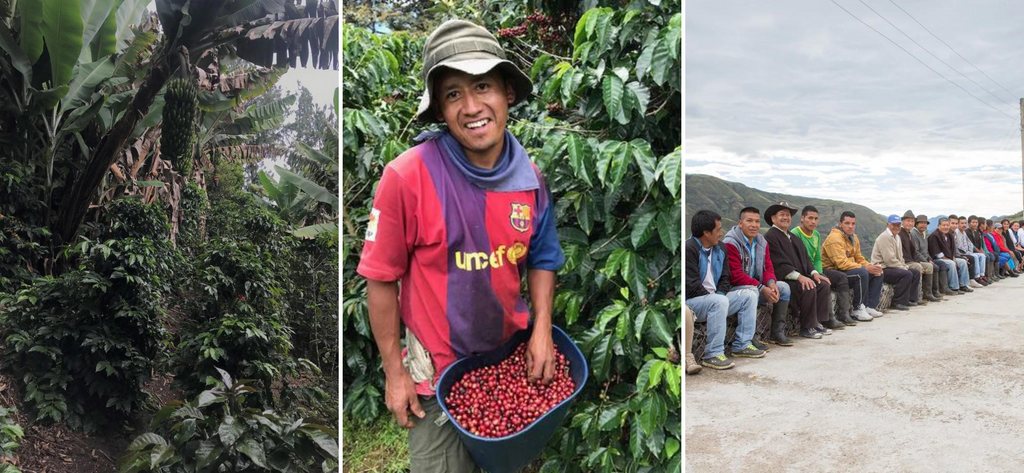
<point>512,173</point>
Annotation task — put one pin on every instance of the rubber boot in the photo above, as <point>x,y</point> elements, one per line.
<point>937,277</point>
<point>926,283</point>
<point>944,285</point>
<point>779,314</point>
<point>843,309</point>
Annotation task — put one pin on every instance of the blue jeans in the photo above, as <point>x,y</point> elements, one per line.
<point>714,308</point>
<point>867,288</point>
<point>979,264</point>
<point>957,276</point>
<point>784,293</point>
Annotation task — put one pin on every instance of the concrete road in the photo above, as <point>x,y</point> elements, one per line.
<point>939,388</point>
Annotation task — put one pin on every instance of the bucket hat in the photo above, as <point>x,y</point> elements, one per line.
<point>921,218</point>
<point>470,48</point>
<point>908,214</point>
<point>775,208</point>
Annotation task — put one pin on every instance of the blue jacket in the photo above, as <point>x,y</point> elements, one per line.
<point>697,268</point>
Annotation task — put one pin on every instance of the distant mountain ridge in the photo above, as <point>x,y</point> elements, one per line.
<point>705,192</point>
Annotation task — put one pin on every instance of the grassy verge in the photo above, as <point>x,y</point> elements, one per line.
<point>380,447</point>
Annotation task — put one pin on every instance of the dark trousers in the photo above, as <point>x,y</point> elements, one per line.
<point>867,288</point>
<point>904,280</point>
<point>840,282</point>
<point>812,305</point>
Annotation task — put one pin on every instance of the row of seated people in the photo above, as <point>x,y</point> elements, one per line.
<point>830,283</point>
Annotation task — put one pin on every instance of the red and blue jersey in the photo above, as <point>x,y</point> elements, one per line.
<point>459,250</point>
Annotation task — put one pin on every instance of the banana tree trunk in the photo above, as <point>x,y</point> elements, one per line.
<point>76,203</point>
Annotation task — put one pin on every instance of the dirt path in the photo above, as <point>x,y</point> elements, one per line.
<point>940,388</point>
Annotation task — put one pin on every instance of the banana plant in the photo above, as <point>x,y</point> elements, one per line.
<point>74,99</point>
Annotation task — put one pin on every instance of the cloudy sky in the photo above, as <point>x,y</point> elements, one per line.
<point>800,97</point>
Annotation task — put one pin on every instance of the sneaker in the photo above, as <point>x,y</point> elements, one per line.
<point>719,362</point>
<point>750,351</point>
<point>862,315</point>
<point>809,333</point>
<point>966,289</point>
<point>822,330</point>
<point>900,307</point>
<point>872,312</point>
<point>759,345</point>
<point>975,284</point>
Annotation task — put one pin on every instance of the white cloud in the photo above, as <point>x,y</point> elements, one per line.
<point>801,96</point>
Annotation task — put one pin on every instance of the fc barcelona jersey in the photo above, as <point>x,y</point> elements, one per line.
<point>460,252</point>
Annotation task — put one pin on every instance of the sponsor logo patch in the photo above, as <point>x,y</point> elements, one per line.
<point>371,225</point>
<point>470,261</point>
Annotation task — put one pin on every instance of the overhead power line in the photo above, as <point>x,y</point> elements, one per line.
<point>1003,142</point>
<point>933,55</point>
<point>922,62</point>
<point>954,51</point>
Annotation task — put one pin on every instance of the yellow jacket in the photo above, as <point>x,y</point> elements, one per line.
<point>837,252</point>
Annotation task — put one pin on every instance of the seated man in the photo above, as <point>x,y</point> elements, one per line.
<point>888,253</point>
<point>750,266</point>
<point>809,288</point>
<point>910,258</point>
<point>943,252</point>
<point>978,242</point>
<point>707,292</point>
<point>975,261</point>
<point>841,252</point>
<point>919,237</point>
<point>807,232</point>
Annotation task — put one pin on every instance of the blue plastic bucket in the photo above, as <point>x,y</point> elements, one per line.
<point>513,452</point>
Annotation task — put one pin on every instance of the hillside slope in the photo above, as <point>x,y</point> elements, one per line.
<point>727,198</point>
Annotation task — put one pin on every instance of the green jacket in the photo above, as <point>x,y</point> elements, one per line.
<point>813,245</point>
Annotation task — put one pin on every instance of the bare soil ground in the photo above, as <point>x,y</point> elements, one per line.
<point>939,388</point>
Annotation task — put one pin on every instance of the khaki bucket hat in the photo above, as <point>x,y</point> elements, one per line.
<point>466,47</point>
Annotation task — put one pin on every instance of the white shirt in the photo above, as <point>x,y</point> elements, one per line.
<point>709,276</point>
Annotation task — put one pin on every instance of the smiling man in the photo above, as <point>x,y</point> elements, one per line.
<point>459,220</point>
<point>809,288</point>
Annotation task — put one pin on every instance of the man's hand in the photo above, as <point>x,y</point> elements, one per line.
<point>818,278</point>
<point>400,397</point>
<point>540,357</point>
<point>805,282</point>
<point>874,269</point>
<point>770,293</point>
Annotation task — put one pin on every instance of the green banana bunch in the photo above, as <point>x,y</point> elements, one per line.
<point>181,105</point>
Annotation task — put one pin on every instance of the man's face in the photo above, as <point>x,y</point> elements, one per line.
<point>922,226</point>
<point>750,222</point>
<point>809,221</point>
<point>963,224</point>
<point>848,225</point>
<point>908,223</point>
<point>944,226</point>
<point>782,219</point>
<point>973,224</point>
<point>475,108</point>
<point>983,226</point>
<point>714,235</point>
